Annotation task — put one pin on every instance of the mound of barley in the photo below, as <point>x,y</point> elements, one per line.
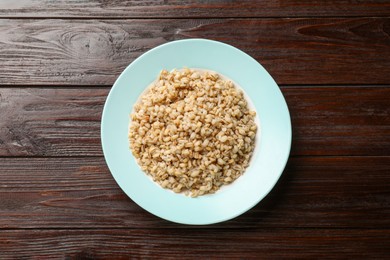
<point>192,131</point>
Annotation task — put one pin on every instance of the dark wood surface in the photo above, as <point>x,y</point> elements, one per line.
<point>295,51</point>
<point>58,61</point>
<point>191,8</point>
<point>192,243</point>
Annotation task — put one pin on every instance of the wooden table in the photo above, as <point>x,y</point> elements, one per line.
<point>58,61</point>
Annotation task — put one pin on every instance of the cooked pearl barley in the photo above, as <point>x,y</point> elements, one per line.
<point>192,131</point>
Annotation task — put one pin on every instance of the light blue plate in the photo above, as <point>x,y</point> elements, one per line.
<point>272,145</point>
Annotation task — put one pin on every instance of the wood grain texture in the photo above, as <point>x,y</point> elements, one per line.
<point>196,243</point>
<point>314,192</point>
<point>339,120</point>
<point>51,122</point>
<point>294,51</point>
<point>191,8</point>
<point>66,121</point>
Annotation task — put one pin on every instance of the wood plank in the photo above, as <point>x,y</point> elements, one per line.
<point>66,121</point>
<point>339,120</point>
<point>191,8</point>
<point>294,51</point>
<point>196,243</point>
<point>314,192</point>
<point>51,122</point>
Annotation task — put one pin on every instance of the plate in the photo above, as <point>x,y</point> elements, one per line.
<point>273,140</point>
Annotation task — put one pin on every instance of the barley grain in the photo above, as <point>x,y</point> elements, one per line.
<point>192,132</point>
